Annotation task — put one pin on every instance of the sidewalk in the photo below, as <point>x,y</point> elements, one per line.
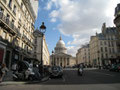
<point>11,82</point>
<point>8,76</point>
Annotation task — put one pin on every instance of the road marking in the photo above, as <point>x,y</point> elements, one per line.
<point>103,74</point>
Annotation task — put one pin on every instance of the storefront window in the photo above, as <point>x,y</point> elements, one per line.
<point>1,55</point>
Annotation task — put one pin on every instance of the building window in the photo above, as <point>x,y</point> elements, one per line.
<point>22,5</point>
<point>110,50</point>
<point>10,4</point>
<point>105,43</point>
<point>12,24</point>
<point>113,51</point>
<point>14,10</point>
<point>102,56</point>
<point>9,38</point>
<point>101,49</point>
<point>19,28</point>
<point>105,49</point>
<point>1,10</point>
<point>4,35</point>
<point>7,18</point>
<point>112,43</point>
<point>106,55</point>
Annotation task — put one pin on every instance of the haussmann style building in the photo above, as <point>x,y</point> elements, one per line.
<point>16,30</point>
<point>60,57</point>
<point>117,23</point>
<point>37,48</point>
<point>103,47</point>
<point>83,55</point>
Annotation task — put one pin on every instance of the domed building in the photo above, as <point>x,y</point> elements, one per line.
<point>60,47</point>
<point>60,57</point>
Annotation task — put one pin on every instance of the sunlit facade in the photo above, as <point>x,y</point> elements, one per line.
<point>83,55</point>
<point>103,47</point>
<point>37,48</point>
<point>16,30</point>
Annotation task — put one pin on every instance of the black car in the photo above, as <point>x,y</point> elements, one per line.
<point>56,71</point>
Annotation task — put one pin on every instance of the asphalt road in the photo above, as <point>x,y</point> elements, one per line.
<point>91,80</point>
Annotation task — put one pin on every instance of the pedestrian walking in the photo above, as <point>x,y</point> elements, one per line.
<point>3,71</point>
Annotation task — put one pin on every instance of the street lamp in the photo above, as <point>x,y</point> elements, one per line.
<point>42,30</point>
<point>99,60</point>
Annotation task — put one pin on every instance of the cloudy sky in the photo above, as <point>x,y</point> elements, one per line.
<point>74,20</point>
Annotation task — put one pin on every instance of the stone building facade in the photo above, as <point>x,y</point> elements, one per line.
<point>60,56</point>
<point>16,30</point>
<point>117,23</point>
<point>83,55</point>
<point>37,48</point>
<point>103,47</point>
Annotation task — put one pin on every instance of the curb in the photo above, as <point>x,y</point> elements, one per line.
<point>11,83</point>
<point>22,82</point>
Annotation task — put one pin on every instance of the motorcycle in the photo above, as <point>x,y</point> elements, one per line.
<point>80,71</point>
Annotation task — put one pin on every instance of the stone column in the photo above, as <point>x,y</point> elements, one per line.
<point>65,61</point>
<point>58,61</point>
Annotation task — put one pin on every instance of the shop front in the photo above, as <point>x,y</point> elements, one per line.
<point>2,52</point>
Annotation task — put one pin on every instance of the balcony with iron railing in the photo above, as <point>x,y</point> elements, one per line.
<point>18,33</point>
<point>9,44</point>
<point>7,24</point>
<point>24,37</point>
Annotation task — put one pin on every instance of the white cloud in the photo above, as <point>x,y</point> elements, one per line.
<point>49,5</point>
<point>82,18</point>
<point>53,15</point>
<point>53,20</point>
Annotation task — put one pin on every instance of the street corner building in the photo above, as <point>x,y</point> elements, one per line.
<point>17,19</point>
<point>40,43</point>
<point>103,47</point>
<point>60,57</point>
<point>117,23</point>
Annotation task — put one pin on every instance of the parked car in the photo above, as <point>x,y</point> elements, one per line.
<point>118,67</point>
<point>56,71</point>
<point>115,67</point>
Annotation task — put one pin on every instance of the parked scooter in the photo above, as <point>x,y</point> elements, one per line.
<point>24,72</point>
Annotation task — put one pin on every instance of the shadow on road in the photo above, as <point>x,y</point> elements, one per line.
<point>89,77</point>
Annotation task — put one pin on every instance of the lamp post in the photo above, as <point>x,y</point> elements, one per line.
<point>42,30</point>
<point>99,60</point>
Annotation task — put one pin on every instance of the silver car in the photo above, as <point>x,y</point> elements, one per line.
<point>56,71</point>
